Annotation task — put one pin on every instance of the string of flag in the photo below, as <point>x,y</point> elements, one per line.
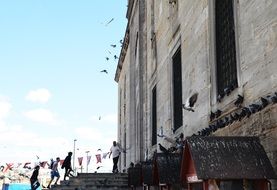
<point>45,164</point>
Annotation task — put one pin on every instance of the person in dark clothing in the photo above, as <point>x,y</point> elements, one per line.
<point>34,179</point>
<point>67,166</point>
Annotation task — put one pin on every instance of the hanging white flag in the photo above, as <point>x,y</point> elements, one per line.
<point>105,155</point>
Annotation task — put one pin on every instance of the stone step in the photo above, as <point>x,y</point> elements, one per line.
<point>89,187</point>
<point>93,181</point>
<point>88,178</point>
<point>99,178</point>
<point>85,175</point>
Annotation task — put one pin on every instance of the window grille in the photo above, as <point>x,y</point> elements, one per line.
<point>225,45</point>
<point>177,90</point>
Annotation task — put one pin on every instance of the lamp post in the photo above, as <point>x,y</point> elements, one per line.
<point>87,160</point>
<point>74,146</point>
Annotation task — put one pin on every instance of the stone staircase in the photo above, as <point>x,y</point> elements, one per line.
<point>93,181</point>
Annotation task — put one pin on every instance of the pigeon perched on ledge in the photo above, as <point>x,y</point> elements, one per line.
<point>274,98</point>
<point>212,116</point>
<point>239,101</point>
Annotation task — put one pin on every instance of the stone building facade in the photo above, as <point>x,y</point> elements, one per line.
<point>217,49</point>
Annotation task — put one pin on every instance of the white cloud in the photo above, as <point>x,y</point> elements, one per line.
<point>41,95</point>
<point>95,136</point>
<point>42,116</point>
<point>88,133</point>
<point>5,108</point>
<point>19,145</point>
<point>103,130</point>
<point>3,126</point>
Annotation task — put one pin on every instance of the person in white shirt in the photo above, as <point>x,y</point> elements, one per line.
<point>115,152</point>
<point>54,172</point>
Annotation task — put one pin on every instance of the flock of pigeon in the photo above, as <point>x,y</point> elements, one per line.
<point>216,119</point>
<point>218,122</point>
<point>226,91</point>
<point>115,57</point>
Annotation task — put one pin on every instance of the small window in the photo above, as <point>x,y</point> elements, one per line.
<point>177,90</point>
<point>225,46</point>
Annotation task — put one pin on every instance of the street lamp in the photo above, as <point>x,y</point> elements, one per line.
<point>74,146</point>
<point>87,160</point>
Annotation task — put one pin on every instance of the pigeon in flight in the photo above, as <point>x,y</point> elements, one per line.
<point>109,22</point>
<point>160,135</point>
<point>104,71</point>
<point>193,99</point>
<point>162,148</point>
<point>107,58</point>
<point>115,57</point>
<point>190,102</point>
<point>113,45</point>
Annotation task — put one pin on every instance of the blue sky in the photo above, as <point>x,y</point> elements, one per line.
<point>51,87</point>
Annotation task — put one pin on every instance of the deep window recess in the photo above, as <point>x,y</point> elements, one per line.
<point>125,141</point>
<point>154,116</point>
<point>225,46</point>
<point>177,90</point>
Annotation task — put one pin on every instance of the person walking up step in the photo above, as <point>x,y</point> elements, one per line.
<point>67,166</point>
<point>34,179</point>
<point>54,172</point>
